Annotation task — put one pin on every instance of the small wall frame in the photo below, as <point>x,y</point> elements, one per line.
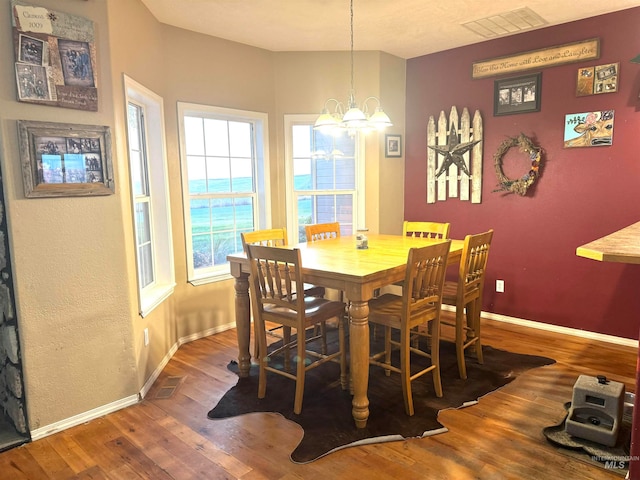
<point>392,146</point>
<point>65,160</point>
<point>598,79</point>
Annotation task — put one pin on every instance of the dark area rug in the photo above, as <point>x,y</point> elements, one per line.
<point>326,410</point>
<point>615,459</point>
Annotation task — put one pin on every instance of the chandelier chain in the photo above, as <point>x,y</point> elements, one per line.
<point>352,83</point>
<point>352,118</point>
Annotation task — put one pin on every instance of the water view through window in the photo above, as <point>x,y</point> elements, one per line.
<point>324,178</point>
<point>223,178</point>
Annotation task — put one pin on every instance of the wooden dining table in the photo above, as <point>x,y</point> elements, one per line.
<point>337,263</point>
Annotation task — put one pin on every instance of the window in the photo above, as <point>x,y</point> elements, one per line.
<point>150,195</point>
<point>324,177</point>
<point>140,189</point>
<point>225,190</point>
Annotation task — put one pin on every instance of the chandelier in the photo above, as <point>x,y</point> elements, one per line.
<point>354,118</point>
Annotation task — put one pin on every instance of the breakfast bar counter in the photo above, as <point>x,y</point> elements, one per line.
<point>622,246</point>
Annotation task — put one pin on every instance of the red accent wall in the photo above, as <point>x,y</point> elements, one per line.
<point>581,195</point>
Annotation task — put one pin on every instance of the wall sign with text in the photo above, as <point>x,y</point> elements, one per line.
<point>545,57</point>
<point>55,58</point>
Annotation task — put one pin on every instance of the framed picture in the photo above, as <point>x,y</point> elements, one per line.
<point>55,57</point>
<point>598,79</point>
<point>65,160</point>
<point>589,129</point>
<point>392,145</point>
<point>517,95</point>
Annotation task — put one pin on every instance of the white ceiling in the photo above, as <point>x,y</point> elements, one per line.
<point>405,28</point>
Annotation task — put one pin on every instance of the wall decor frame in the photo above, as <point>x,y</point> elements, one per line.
<point>517,95</point>
<point>65,160</point>
<point>392,145</point>
<point>545,57</point>
<point>454,156</point>
<point>589,129</point>
<point>55,58</point>
<point>598,79</point>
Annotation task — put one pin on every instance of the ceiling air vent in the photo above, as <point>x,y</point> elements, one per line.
<point>506,23</point>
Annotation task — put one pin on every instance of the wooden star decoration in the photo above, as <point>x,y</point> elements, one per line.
<point>453,152</point>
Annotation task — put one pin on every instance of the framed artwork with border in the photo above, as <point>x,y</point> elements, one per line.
<point>598,79</point>
<point>55,57</point>
<point>589,129</point>
<point>517,95</point>
<point>65,160</point>
<point>392,145</point>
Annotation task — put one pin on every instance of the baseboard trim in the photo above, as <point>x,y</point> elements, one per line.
<point>133,399</point>
<point>83,417</point>
<point>127,401</point>
<point>627,342</point>
<point>181,341</point>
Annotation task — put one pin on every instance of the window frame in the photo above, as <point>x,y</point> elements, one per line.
<point>261,169</point>
<point>291,120</point>
<point>163,285</point>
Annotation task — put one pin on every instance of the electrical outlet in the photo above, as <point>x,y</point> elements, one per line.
<point>500,286</point>
<point>146,337</point>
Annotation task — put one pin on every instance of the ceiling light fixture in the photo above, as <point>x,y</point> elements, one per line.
<point>354,118</point>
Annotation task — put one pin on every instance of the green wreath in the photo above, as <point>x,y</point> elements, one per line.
<point>520,185</point>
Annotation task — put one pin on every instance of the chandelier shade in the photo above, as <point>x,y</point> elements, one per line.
<point>354,118</point>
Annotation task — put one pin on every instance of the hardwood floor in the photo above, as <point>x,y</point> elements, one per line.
<point>171,438</point>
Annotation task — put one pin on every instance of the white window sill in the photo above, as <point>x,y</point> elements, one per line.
<point>155,297</point>
<point>210,278</point>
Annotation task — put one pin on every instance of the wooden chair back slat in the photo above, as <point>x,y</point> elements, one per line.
<point>271,237</point>
<point>322,231</point>
<point>426,229</point>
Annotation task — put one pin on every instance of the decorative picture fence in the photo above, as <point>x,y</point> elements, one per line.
<point>454,157</point>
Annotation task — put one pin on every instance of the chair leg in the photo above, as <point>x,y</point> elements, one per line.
<point>256,343</point>
<point>323,333</point>
<point>286,339</point>
<point>416,339</point>
<point>405,370</point>
<point>387,349</point>
<point>473,319</point>
<point>261,346</point>
<point>435,357</point>
<point>344,379</point>
<point>462,368</point>
<point>300,371</point>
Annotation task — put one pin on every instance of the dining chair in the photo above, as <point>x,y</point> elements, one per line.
<point>276,273</point>
<point>466,295</point>
<point>419,305</point>
<point>322,231</point>
<point>273,237</point>
<point>425,229</point>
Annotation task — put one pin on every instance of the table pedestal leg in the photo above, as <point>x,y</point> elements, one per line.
<point>634,454</point>
<point>243,323</point>
<point>359,358</point>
